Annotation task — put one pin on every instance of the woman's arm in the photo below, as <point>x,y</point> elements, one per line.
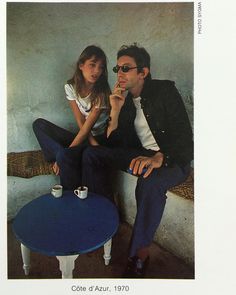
<point>85,125</point>
<point>80,119</point>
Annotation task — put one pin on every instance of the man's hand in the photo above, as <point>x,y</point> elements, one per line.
<point>56,168</point>
<point>117,98</point>
<point>137,164</point>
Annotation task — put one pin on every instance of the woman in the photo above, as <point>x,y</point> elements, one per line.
<point>87,92</point>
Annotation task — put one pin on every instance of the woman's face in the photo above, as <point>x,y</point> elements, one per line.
<point>92,70</point>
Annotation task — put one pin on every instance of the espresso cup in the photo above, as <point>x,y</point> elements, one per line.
<point>57,191</point>
<point>81,192</point>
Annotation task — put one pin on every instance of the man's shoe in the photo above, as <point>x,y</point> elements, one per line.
<point>136,268</point>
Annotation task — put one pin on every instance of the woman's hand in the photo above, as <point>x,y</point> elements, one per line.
<point>92,140</point>
<point>56,168</point>
<point>137,164</point>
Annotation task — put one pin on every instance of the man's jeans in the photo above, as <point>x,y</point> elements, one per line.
<point>98,163</point>
<point>54,142</point>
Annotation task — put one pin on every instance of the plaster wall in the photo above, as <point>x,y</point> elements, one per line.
<point>44,41</point>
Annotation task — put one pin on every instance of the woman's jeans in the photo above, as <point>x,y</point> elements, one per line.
<point>150,193</point>
<point>54,142</point>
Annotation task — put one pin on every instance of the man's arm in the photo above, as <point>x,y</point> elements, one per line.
<point>181,144</point>
<point>117,100</point>
<point>113,121</point>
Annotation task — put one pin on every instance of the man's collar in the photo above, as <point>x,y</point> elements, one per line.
<point>146,90</point>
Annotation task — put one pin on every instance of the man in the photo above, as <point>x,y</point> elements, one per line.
<point>149,133</point>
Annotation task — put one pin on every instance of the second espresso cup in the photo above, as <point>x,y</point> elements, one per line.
<point>81,192</point>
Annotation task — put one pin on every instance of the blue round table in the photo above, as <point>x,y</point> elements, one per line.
<point>66,227</point>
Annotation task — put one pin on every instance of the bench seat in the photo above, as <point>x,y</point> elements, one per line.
<point>32,163</point>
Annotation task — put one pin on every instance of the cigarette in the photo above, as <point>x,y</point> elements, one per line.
<point>102,107</point>
<point>118,90</point>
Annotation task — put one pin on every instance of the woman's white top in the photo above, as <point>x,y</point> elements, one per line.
<point>84,105</point>
<point>142,129</point>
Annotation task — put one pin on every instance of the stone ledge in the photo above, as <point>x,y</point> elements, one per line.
<point>21,191</point>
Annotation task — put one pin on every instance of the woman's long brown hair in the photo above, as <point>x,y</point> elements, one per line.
<point>101,89</point>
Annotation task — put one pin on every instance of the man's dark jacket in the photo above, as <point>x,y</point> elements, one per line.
<point>167,119</point>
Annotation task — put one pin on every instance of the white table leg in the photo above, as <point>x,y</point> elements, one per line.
<point>67,264</point>
<point>107,252</point>
<point>25,252</point>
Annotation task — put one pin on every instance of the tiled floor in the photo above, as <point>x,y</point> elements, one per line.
<point>91,265</point>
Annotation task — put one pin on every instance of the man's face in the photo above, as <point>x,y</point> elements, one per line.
<point>131,79</point>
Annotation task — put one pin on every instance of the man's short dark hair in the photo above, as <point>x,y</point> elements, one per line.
<point>139,54</point>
